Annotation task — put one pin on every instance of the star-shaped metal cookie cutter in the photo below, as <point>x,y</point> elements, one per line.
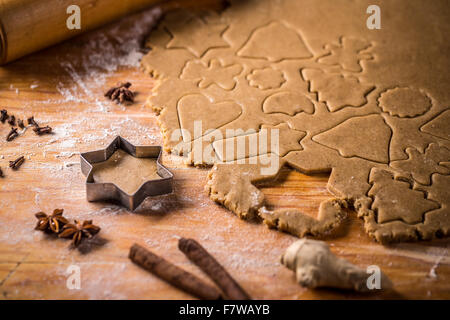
<point>110,191</point>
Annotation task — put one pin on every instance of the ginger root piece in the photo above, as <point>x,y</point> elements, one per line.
<point>316,266</point>
<point>331,214</point>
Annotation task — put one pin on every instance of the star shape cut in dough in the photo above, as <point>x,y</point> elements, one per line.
<point>199,39</point>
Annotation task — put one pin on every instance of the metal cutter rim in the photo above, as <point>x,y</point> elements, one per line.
<point>110,191</point>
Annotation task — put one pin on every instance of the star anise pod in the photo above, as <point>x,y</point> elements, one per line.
<point>78,231</point>
<point>51,223</point>
<point>121,93</point>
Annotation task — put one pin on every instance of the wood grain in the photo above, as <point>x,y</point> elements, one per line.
<point>63,87</point>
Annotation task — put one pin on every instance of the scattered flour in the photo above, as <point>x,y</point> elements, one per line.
<point>105,51</point>
<point>432,273</point>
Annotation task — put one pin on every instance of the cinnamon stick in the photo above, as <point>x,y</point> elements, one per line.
<point>172,274</point>
<point>198,255</point>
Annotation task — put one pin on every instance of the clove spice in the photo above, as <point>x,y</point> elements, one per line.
<point>172,274</point>
<point>1,173</point>
<point>32,122</point>
<point>198,255</point>
<point>20,123</point>
<point>3,115</point>
<point>17,163</point>
<point>12,134</point>
<point>42,130</point>
<point>12,120</point>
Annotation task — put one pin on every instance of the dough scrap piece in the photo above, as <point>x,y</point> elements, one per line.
<point>331,214</point>
<point>437,222</point>
<point>154,62</point>
<point>236,191</point>
<point>348,101</point>
<point>439,126</point>
<point>316,266</point>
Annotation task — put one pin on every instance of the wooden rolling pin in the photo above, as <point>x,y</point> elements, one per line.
<point>30,25</point>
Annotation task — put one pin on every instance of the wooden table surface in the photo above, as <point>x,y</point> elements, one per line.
<point>63,87</point>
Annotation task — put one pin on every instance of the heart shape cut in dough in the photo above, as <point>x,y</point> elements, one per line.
<point>196,107</point>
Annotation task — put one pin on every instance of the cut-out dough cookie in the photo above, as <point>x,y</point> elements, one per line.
<point>394,199</point>
<point>336,90</point>
<point>365,137</point>
<point>435,159</point>
<point>288,102</point>
<point>427,219</point>
<point>246,146</point>
<point>347,54</point>
<point>214,73</point>
<point>405,135</point>
<point>288,46</point>
<point>202,37</point>
<point>194,108</point>
<point>267,78</point>
<point>345,99</point>
<point>404,102</point>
